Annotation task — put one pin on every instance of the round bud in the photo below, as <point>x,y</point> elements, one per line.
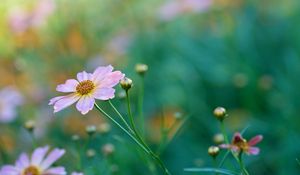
<point>141,68</point>
<point>126,83</point>
<point>75,137</point>
<point>90,153</point>
<point>178,115</point>
<point>29,125</point>
<point>104,128</point>
<point>108,149</point>
<point>122,95</point>
<point>220,113</point>
<point>213,151</point>
<point>91,130</point>
<point>218,138</point>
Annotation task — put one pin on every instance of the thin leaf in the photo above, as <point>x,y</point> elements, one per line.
<point>245,129</point>
<point>212,170</point>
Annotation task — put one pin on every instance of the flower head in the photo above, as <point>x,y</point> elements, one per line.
<point>88,87</point>
<point>38,164</point>
<point>239,144</point>
<point>10,99</point>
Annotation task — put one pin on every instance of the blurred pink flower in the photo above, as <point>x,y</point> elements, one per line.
<point>18,20</point>
<point>87,88</point>
<point>239,144</point>
<point>38,164</point>
<point>10,99</point>
<point>173,8</point>
<point>21,20</point>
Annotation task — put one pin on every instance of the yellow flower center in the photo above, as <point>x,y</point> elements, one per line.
<point>242,144</point>
<point>85,87</point>
<point>31,170</point>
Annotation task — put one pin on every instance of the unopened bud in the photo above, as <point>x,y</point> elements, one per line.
<point>29,125</point>
<point>213,151</point>
<point>122,95</point>
<point>141,68</point>
<point>90,153</point>
<point>91,130</point>
<point>126,83</point>
<point>104,128</point>
<point>108,149</point>
<point>75,137</point>
<point>220,113</point>
<point>218,138</point>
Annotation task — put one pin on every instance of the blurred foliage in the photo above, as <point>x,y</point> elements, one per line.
<point>240,54</point>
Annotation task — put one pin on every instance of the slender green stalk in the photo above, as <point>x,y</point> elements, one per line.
<point>121,117</point>
<point>154,156</point>
<point>224,132</point>
<point>242,165</point>
<point>122,128</point>
<point>140,103</point>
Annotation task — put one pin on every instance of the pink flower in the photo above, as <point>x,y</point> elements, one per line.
<point>239,144</point>
<point>18,20</point>
<point>10,99</point>
<point>88,87</point>
<point>38,164</point>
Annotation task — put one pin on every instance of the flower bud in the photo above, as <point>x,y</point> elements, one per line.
<point>91,130</point>
<point>122,95</point>
<point>104,128</point>
<point>90,153</point>
<point>218,138</point>
<point>178,115</point>
<point>126,83</point>
<point>108,149</point>
<point>213,151</point>
<point>220,113</point>
<point>75,137</point>
<point>141,68</point>
<point>29,125</point>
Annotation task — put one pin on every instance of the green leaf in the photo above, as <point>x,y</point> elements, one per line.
<point>212,170</point>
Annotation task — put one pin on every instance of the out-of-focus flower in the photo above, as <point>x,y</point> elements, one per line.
<point>174,8</point>
<point>239,144</point>
<point>87,88</point>
<point>20,20</point>
<point>10,99</point>
<point>29,125</point>
<point>90,153</point>
<point>91,130</point>
<point>220,113</point>
<point>39,164</point>
<point>76,173</point>
<point>141,68</point>
<point>218,138</point>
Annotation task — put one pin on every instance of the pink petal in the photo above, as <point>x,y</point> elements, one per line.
<point>23,161</point>
<point>69,86</point>
<point>85,104</point>
<point>255,140</point>
<point>66,101</point>
<point>38,155</point>
<point>55,171</point>
<point>51,158</point>
<point>111,79</point>
<point>75,173</point>
<point>55,99</point>
<point>81,76</point>
<point>101,72</point>
<point>9,170</point>
<point>253,151</point>
<point>104,93</point>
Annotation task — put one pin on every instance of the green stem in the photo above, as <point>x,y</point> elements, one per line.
<point>141,101</point>
<point>122,128</point>
<point>154,156</point>
<point>121,117</point>
<point>242,165</point>
<point>224,132</point>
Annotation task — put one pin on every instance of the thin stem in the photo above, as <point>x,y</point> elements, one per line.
<point>242,165</point>
<point>154,156</point>
<point>121,117</point>
<point>140,103</point>
<point>122,128</point>
<point>129,113</point>
<point>215,164</point>
<point>224,132</point>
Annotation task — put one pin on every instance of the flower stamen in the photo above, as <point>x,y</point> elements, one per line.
<point>85,87</point>
<point>31,170</point>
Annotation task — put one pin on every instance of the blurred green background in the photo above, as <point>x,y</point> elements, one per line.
<point>240,54</point>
